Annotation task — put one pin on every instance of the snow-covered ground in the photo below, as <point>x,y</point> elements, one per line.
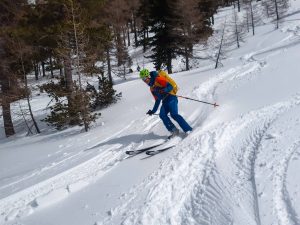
<point>239,165</point>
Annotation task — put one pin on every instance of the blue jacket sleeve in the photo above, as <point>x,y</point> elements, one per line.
<point>152,80</point>
<point>156,104</point>
<point>168,88</point>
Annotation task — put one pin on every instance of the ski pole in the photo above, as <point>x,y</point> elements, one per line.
<point>214,104</point>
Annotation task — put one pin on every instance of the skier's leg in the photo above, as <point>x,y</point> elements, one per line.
<point>164,117</point>
<point>173,106</point>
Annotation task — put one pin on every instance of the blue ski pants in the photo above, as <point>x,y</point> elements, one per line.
<point>170,105</point>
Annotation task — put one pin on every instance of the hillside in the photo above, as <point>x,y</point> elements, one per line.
<point>238,166</point>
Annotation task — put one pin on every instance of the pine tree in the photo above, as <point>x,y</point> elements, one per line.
<point>163,42</point>
<point>70,43</point>
<point>133,9</point>
<point>238,2</point>
<point>82,41</point>
<point>10,15</point>
<point>62,114</point>
<point>106,94</point>
<point>208,8</point>
<point>100,36</point>
<point>117,15</point>
<point>220,51</point>
<point>276,9</point>
<point>253,14</point>
<point>43,22</point>
<point>143,14</point>
<point>236,29</point>
<point>191,25</point>
<point>23,53</point>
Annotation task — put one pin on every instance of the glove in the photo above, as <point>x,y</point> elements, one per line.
<point>150,113</point>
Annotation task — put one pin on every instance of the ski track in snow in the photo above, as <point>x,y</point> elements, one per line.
<point>279,147</point>
<point>24,202</point>
<point>207,90</point>
<point>196,179</point>
<point>286,214</point>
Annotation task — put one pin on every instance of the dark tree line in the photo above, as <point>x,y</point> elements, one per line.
<point>65,40</point>
<point>67,35</point>
<point>176,26</point>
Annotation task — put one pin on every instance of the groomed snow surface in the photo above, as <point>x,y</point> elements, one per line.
<point>240,165</point>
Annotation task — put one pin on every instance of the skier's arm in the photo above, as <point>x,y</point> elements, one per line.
<point>156,105</point>
<point>157,98</point>
<point>168,88</point>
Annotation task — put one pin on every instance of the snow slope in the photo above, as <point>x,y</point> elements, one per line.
<point>239,165</point>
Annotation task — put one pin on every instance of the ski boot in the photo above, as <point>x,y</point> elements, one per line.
<point>174,133</point>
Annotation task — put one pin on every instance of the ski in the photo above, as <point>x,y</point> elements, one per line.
<point>139,151</point>
<point>150,152</point>
<point>172,142</point>
<point>155,152</point>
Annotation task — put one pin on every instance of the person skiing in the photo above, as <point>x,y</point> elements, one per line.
<point>164,89</point>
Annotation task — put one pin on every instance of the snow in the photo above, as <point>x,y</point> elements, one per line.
<point>238,166</point>
<point>50,198</point>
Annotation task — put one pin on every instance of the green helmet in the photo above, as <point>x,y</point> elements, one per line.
<point>144,73</point>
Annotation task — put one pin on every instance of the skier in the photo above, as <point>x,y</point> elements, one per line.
<point>163,88</point>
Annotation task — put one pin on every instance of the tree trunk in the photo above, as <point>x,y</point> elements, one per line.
<point>69,86</point>
<point>124,35</point>
<point>39,69</point>
<point>24,118</point>
<point>277,14</point>
<point>131,24</point>
<point>8,124</point>
<point>36,71</point>
<point>252,18</point>
<point>128,36</point>
<point>220,47</point>
<point>248,29</point>
<point>119,48</point>
<point>109,66</point>
<point>51,67</point>
<point>267,10</point>
<point>27,95</point>
<point>124,72</point>
<point>135,31</point>
<point>68,74</point>
<point>236,30</point>
<point>61,70</point>
<point>144,42</point>
<point>169,63</point>
<point>187,61</point>
<point>29,108</point>
<point>43,68</point>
